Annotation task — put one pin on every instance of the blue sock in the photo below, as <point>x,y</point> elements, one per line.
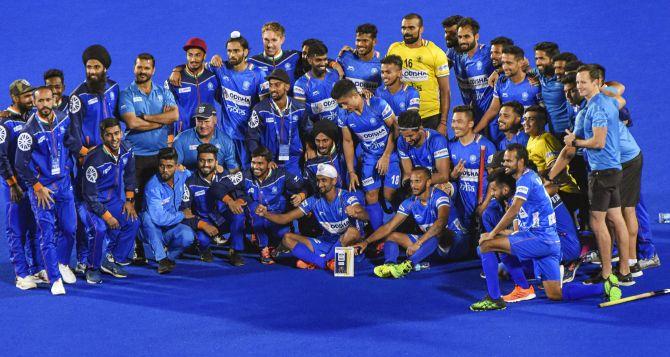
<point>576,291</point>
<point>376,215</point>
<point>391,252</point>
<point>490,267</point>
<point>515,270</point>
<point>426,250</point>
<point>303,253</point>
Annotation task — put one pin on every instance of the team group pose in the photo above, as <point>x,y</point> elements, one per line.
<point>289,154</point>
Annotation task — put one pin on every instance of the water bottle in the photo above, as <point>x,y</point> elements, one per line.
<point>664,218</point>
<point>422,266</point>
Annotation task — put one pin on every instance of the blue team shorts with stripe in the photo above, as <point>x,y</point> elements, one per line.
<point>543,249</point>
<point>324,243</point>
<point>371,180</point>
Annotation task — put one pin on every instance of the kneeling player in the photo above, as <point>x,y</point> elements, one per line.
<point>430,208</point>
<point>339,214</point>
<point>536,240</point>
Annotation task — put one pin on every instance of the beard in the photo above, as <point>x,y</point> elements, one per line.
<point>142,78</point>
<point>97,83</point>
<point>410,39</point>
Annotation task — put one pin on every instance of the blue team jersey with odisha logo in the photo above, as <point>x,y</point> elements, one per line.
<point>537,212</point>
<point>364,74</point>
<point>425,215</point>
<point>370,127</point>
<point>315,93</point>
<point>472,74</point>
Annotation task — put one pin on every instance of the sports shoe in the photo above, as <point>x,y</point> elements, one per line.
<point>330,265</point>
<point>636,271</point>
<point>596,278</point>
<point>206,255</point>
<point>520,294</point>
<point>570,271</point>
<point>402,269</point>
<point>139,258</point>
<point>93,276</point>
<point>80,269</point>
<point>301,264</point>
<point>383,271</point>
<point>235,258</point>
<point>611,286</point>
<point>111,258</point>
<point>67,274</point>
<point>25,283</point>
<point>488,304</point>
<point>597,261</point>
<point>652,262</point>
<point>281,249</point>
<point>219,240</point>
<point>41,277</point>
<point>57,288</point>
<point>625,280</point>
<point>164,266</point>
<point>265,256</point>
<point>590,256</point>
<point>113,269</point>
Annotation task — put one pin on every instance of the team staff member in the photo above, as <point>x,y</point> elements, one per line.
<point>46,146</point>
<point>108,190</point>
<point>426,68</point>
<point>164,210</point>
<point>55,80</point>
<point>205,131</point>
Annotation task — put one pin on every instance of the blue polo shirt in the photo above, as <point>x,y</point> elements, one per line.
<point>560,111</point>
<point>187,142</point>
<point>600,111</point>
<point>133,100</point>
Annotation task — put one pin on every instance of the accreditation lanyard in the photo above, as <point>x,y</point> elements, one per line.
<point>54,153</point>
<point>284,149</point>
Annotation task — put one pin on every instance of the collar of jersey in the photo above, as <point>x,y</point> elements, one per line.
<point>275,58</point>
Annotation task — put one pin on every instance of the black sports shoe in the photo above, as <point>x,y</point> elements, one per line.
<point>206,255</point>
<point>235,258</point>
<point>636,270</point>
<point>596,278</point>
<point>625,280</point>
<point>139,258</point>
<point>164,266</point>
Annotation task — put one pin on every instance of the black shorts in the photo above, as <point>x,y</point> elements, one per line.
<point>431,122</point>
<point>604,189</point>
<point>631,180</point>
<point>145,168</point>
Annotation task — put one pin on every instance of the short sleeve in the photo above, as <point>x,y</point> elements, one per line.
<point>126,102</point>
<point>440,147</point>
<point>414,99</point>
<point>299,89</point>
<point>405,207</point>
<point>522,188</point>
<point>168,99</point>
<point>442,200</point>
<point>441,63</point>
<point>598,117</point>
<point>384,109</point>
<point>352,200</point>
<point>307,205</point>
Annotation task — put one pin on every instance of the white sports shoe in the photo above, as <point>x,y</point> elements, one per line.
<point>41,277</point>
<point>25,283</point>
<point>57,288</point>
<point>67,274</point>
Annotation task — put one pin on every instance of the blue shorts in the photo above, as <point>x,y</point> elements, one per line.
<point>371,180</point>
<point>543,249</point>
<point>324,243</point>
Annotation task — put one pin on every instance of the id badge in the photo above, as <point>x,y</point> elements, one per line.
<point>283,152</point>
<point>55,166</point>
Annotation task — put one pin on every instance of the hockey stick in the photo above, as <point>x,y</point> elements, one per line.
<point>635,297</point>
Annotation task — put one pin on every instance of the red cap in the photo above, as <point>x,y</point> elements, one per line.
<point>195,42</point>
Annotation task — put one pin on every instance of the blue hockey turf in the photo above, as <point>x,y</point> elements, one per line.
<point>203,309</point>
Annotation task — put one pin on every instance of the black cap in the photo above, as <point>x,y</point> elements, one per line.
<point>99,53</point>
<point>204,111</point>
<point>279,74</point>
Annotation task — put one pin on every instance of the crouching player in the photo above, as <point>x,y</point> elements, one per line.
<point>339,214</point>
<point>536,240</point>
<point>108,189</point>
<point>430,208</point>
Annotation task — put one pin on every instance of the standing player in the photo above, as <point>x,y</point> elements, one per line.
<point>373,122</point>
<point>509,123</point>
<point>108,190</point>
<point>362,65</point>
<point>55,80</point>
<point>558,108</point>
<point>314,87</point>
<point>560,61</point>
<point>513,86</point>
<point>196,85</point>
<point>497,45</point>
<point>273,57</point>
<point>43,162</point>
<point>429,207</point>
<point>280,124</point>
<point>465,153</point>
<point>398,95</point>
<point>450,25</point>
<point>472,67</point>
<point>339,214</point>
<point>422,147</point>
<point>426,68</point>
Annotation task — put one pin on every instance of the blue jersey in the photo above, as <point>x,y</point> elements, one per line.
<point>468,183</point>
<point>164,203</point>
<point>315,93</point>
<point>10,128</point>
<point>240,91</point>
<point>274,190</point>
<point>331,215</point>
<point>519,138</point>
<point>472,74</point>
<point>365,74</point>
<point>425,215</point>
<point>404,99</point>
<point>560,111</point>
<point>434,147</point>
<point>193,91</point>
<point>133,100</point>
<point>88,109</point>
<point>44,152</point>
<point>524,92</point>
<point>537,213</point>
<point>271,127</point>
<point>493,213</point>
<point>107,177</point>
<point>565,227</point>
<point>287,60</point>
<point>629,147</point>
<point>187,142</point>
<point>205,206</point>
<point>370,127</point>
<point>600,111</point>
